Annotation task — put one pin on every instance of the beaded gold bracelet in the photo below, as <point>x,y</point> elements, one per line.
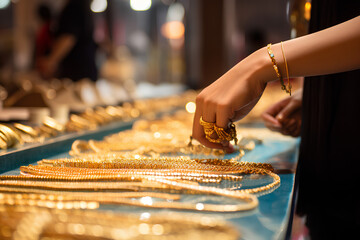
<point>276,68</point>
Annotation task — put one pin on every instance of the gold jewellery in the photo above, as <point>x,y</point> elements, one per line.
<point>8,137</point>
<point>28,193</point>
<point>168,136</point>
<point>276,68</point>
<point>113,161</point>
<point>72,179</point>
<point>30,222</point>
<point>223,134</point>
<point>288,89</point>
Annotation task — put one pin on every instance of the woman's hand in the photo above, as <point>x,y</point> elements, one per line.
<point>285,116</point>
<point>232,96</point>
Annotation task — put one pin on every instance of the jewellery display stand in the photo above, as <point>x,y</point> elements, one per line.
<point>270,220</point>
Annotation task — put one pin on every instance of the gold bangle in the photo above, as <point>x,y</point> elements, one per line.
<point>288,89</point>
<point>53,124</point>
<point>276,68</point>
<point>27,129</point>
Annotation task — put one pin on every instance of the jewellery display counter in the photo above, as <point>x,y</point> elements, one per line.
<point>188,193</point>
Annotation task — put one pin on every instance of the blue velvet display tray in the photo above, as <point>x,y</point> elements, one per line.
<point>269,221</point>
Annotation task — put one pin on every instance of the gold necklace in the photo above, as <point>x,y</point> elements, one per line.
<point>130,174</point>
<point>218,165</point>
<point>85,200</point>
<point>38,182</point>
<point>85,224</point>
<point>113,161</point>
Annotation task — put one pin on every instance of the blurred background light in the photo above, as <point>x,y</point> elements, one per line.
<point>4,3</point>
<point>176,12</point>
<point>98,5</point>
<point>140,5</point>
<point>307,11</point>
<point>190,107</point>
<point>173,30</point>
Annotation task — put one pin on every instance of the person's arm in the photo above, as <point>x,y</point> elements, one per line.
<point>61,48</point>
<point>233,95</point>
<point>332,50</point>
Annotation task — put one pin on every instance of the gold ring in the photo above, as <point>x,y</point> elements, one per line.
<point>208,127</point>
<point>223,135</point>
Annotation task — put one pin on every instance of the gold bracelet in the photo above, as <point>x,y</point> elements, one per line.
<point>288,89</point>
<point>27,129</point>
<point>276,68</point>
<point>9,135</point>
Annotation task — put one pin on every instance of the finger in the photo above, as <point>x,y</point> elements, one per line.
<point>198,130</point>
<point>292,129</point>
<point>270,120</point>
<point>272,128</point>
<point>285,132</point>
<point>277,107</point>
<point>289,123</point>
<point>209,114</point>
<point>223,116</point>
<point>297,132</point>
<point>287,111</point>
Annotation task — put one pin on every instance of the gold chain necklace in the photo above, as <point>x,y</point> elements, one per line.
<point>86,200</point>
<point>130,174</point>
<point>85,224</point>
<point>114,161</point>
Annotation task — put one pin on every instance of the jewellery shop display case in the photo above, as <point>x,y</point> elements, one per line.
<point>268,220</point>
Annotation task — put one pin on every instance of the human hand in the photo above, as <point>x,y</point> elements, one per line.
<point>47,67</point>
<point>285,115</point>
<point>232,96</point>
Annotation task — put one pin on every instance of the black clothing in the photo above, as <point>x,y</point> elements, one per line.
<point>76,19</point>
<point>329,152</point>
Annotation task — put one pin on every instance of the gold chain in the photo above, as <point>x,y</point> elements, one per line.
<point>85,224</point>
<point>113,161</point>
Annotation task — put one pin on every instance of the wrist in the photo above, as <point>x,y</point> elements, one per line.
<point>264,71</point>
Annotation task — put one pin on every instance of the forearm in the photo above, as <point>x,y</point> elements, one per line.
<point>62,47</point>
<point>332,50</point>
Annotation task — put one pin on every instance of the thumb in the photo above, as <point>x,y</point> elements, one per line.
<point>287,111</point>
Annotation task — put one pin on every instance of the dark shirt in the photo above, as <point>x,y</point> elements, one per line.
<point>76,19</point>
<point>329,157</point>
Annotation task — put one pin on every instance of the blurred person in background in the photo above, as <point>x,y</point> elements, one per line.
<point>44,35</point>
<point>73,53</point>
